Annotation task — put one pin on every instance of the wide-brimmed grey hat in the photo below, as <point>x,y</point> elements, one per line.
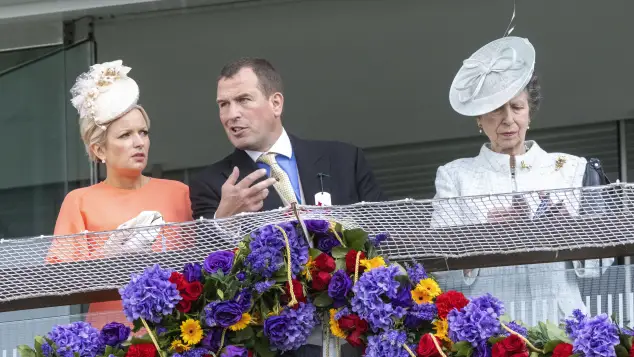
<point>492,76</point>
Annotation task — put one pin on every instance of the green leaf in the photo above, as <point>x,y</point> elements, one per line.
<point>108,351</point>
<point>626,340</point>
<point>495,339</point>
<point>263,349</point>
<point>340,264</point>
<point>39,341</point>
<point>534,354</point>
<point>355,238</point>
<point>138,325</point>
<point>139,340</point>
<point>323,300</point>
<point>621,351</point>
<point>314,253</point>
<point>220,294</point>
<point>462,349</point>
<point>339,252</point>
<point>26,351</point>
<point>245,334</point>
<point>550,345</point>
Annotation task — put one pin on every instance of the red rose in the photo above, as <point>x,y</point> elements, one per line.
<point>512,346</point>
<point>355,327</point>
<point>427,347</point>
<point>321,280</point>
<point>184,306</point>
<point>448,301</point>
<point>298,289</point>
<point>565,350</point>
<point>141,350</point>
<point>178,279</point>
<point>324,262</point>
<point>249,353</point>
<point>192,291</point>
<point>351,261</point>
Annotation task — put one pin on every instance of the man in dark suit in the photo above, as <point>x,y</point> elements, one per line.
<point>250,101</point>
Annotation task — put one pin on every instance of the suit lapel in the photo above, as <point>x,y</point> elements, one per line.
<point>242,160</point>
<point>310,163</point>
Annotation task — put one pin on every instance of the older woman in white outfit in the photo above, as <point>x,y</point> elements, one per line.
<point>496,85</point>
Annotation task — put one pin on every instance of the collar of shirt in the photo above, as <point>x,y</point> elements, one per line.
<point>282,147</point>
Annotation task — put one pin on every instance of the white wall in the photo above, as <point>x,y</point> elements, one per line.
<point>371,72</point>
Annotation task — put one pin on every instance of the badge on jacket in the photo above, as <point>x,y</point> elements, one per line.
<point>322,198</point>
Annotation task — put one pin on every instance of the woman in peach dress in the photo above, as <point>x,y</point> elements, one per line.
<point>115,131</point>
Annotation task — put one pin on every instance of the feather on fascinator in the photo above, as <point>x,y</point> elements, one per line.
<point>104,93</point>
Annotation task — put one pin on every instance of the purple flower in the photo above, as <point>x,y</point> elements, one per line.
<point>476,322</point>
<point>160,330</point>
<point>595,337</point>
<point>234,351</point>
<point>211,340</point>
<point>388,344</point>
<point>196,352</point>
<point>243,298</point>
<point>416,273</point>
<point>339,286</point>
<point>241,276</point>
<point>77,337</point>
<point>268,249</point>
<point>379,238</point>
<point>573,325</point>
<point>317,226</point>
<point>482,350</point>
<point>341,313</point>
<point>222,313</point>
<point>404,296</point>
<point>263,286</point>
<point>326,242</point>
<point>193,272</point>
<point>222,260</point>
<point>418,314</point>
<point>490,304</point>
<point>372,295</point>
<point>149,295</point>
<point>114,333</point>
<point>517,328</point>
<point>290,330</point>
<point>47,350</point>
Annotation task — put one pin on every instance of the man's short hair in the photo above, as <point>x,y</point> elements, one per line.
<point>269,79</point>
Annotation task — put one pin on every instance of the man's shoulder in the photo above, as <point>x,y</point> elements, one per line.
<point>328,145</point>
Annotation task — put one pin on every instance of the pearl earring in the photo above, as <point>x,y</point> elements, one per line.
<point>103,161</point>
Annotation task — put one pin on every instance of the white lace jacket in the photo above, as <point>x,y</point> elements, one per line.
<point>490,173</point>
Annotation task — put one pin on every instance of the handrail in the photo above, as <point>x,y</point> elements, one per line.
<point>43,57</point>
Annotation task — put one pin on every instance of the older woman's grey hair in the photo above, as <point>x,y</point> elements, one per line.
<point>534,90</point>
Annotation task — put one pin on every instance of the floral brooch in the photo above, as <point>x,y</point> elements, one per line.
<point>560,163</point>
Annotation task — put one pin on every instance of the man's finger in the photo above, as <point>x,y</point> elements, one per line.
<point>258,187</point>
<point>233,178</point>
<point>251,178</point>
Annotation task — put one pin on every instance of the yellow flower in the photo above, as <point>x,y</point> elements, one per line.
<point>334,325</point>
<point>309,265</point>
<point>179,346</point>
<point>370,264</point>
<point>442,328</point>
<point>191,332</point>
<point>426,291</point>
<point>244,321</point>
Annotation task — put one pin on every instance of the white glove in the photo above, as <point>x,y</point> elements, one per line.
<point>130,237</point>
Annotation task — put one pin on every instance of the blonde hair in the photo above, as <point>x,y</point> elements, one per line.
<point>93,134</point>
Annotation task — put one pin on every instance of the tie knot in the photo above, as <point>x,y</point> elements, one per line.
<point>268,158</point>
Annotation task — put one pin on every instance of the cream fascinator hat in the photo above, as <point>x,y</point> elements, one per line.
<point>492,76</point>
<point>104,93</point>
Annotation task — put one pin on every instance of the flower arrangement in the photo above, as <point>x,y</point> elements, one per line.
<point>268,295</point>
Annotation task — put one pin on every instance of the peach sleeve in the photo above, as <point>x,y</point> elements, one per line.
<point>69,221</point>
